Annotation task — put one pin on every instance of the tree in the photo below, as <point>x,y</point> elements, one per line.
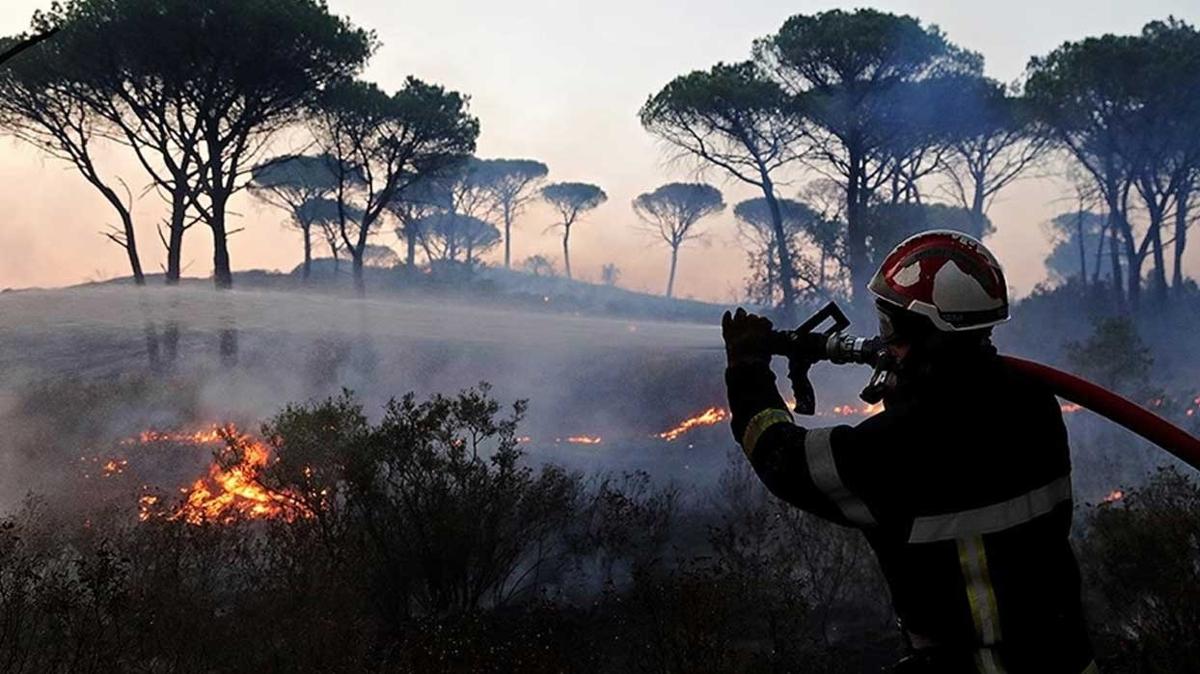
<point>1114,356</point>
<point>447,236</point>
<point>300,185</point>
<point>413,204</point>
<point>571,200</point>
<point>894,223</point>
<point>851,74</point>
<point>672,211</point>
<point>756,227</point>
<point>42,106</point>
<point>14,48</point>
<point>198,90</point>
<point>325,213</point>
<point>1104,101</point>
<point>393,140</point>
<point>539,265</point>
<point>513,184</point>
<point>732,118</point>
<point>610,273</point>
<point>1078,238</point>
<point>994,140</point>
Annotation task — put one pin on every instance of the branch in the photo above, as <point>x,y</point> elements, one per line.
<point>27,44</point>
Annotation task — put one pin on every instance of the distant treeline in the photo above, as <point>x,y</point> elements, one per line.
<point>886,125</point>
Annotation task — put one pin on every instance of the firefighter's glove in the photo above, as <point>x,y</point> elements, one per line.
<point>747,338</point>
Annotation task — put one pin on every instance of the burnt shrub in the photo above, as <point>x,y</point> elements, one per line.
<point>1140,558</point>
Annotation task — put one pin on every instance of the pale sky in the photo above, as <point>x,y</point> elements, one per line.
<point>560,81</point>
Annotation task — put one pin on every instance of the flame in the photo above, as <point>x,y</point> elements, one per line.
<point>227,492</point>
<point>585,440</point>
<point>709,417</point>
<point>1114,496</point>
<point>114,467</point>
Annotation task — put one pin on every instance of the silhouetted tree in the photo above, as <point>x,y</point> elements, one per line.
<point>446,236</point>
<point>672,211</point>
<point>1114,356</point>
<point>756,228</point>
<point>571,200</point>
<point>513,184</point>
<point>539,265</point>
<point>610,273</point>
<point>851,74</point>
<point>1105,101</point>
<point>993,141</point>
<point>41,105</point>
<point>393,140</point>
<point>732,118</point>
<point>1078,240</point>
<point>300,185</point>
<point>414,203</point>
<point>198,90</point>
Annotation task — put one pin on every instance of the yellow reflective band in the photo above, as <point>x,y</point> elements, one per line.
<point>759,425</point>
<point>972,558</point>
<point>1091,668</point>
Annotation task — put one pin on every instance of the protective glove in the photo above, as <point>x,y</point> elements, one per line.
<point>747,338</point>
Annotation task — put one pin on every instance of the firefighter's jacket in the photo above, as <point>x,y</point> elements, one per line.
<point>962,487</point>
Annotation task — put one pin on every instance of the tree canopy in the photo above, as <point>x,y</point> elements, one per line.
<point>571,200</point>
<point>394,140</point>
<point>671,213</point>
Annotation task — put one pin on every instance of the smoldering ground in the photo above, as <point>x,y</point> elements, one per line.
<point>602,391</point>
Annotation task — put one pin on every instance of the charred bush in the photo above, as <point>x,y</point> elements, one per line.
<point>1141,562</point>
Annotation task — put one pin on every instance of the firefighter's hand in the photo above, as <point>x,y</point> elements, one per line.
<point>747,338</point>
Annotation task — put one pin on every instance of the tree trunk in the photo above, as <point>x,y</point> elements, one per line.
<point>175,234</point>
<point>787,270</point>
<point>1083,278</point>
<point>671,277</point>
<point>1181,225</point>
<point>222,275</point>
<point>507,236</point>
<point>307,230</point>
<point>360,284</point>
<point>127,231</point>
<point>1160,263</point>
<point>856,235</point>
<point>410,256</point>
<point>978,219</point>
<point>1114,254</point>
<point>567,250</point>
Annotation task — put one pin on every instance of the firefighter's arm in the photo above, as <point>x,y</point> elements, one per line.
<point>796,464</point>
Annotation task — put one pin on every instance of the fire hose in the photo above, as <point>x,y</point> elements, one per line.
<point>805,346</point>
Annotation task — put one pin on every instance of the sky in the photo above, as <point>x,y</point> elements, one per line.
<point>560,81</point>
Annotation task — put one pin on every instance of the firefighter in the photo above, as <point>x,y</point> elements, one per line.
<point>961,485</point>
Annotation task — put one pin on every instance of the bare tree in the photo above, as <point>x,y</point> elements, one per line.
<point>671,213</point>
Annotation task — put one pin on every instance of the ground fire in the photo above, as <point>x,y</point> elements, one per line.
<point>229,491</point>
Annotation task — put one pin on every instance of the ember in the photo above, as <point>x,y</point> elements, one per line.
<point>1114,496</point>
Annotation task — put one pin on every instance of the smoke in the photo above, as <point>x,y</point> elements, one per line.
<point>82,368</point>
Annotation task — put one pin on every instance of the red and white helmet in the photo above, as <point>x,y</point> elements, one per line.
<point>946,276</point>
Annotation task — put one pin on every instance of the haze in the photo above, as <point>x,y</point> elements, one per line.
<point>559,81</point>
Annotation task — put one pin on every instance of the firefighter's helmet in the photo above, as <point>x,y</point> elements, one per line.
<point>946,276</point>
